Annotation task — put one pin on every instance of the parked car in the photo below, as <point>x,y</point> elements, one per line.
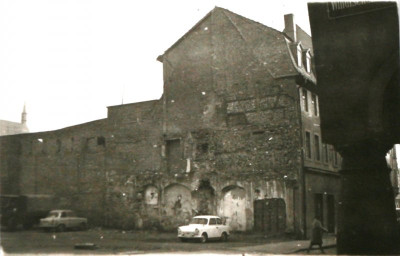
<point>203,228</point>
<point>60,220</point>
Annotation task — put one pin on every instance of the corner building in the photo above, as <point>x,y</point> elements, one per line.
<point>235,133</point>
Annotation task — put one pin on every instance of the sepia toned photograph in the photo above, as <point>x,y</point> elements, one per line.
<point>210,127</point>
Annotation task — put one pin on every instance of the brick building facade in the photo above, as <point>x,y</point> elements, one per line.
<point>235,133</point>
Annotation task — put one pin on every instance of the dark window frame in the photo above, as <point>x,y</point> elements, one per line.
<point>317,147</point>
<point>308,144</point>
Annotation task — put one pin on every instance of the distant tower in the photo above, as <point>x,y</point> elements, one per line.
<point>23,115</point>
<point>24,127</point>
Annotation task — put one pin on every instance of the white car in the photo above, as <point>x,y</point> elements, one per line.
<point>60,220</point>
<point>204,227</point>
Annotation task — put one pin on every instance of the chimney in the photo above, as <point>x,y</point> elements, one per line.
<point>290,27</point>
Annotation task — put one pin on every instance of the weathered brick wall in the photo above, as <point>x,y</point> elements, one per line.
<point>10,149</point>
<point>133,162</point>
<point>228,119</point>
<point>222,88</point>
<point>67,163</point>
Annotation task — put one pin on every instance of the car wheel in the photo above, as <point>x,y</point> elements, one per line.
<point>60,228</point>
<point>224,237</point>
<point>83,226</point>
<point>204,238</point>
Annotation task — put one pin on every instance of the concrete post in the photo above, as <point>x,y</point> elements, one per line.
<point>367,218</point>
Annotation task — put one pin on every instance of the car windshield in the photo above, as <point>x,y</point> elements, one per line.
<point>199,221</point>
<point>52,214</point>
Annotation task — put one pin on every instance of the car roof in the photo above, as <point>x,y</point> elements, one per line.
<point>206,216</point>
<point>61,211</point>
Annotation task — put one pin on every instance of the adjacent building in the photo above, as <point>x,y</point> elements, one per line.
<point>236,133</point>
<point>9,127</point>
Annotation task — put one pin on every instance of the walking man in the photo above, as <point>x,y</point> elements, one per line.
<point>316,236</point>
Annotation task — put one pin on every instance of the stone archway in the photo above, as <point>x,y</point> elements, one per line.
<point>233,207</point>
<point>177,204</point>
<point>204,198</point>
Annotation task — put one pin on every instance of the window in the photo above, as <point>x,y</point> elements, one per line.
<point>335,158</point>
<point>326,156</point>
<point>203,148</point>
<point>308,145</point>
<point>315,103</point>
<point>305,100</point>
<point>213,221</point>
<point>174,154</point>
<point>316,146</point>
<point>299,55</point>
<point>308,62</point>
<point>101,141</point>
<point>219,221</point>
<point>58,142</point>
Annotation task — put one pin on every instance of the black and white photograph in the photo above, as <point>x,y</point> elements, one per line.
<point>210,127</point>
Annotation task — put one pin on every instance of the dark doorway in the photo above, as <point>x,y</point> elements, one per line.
<point>205,197</point>
<point>270,216</point>
<point>319,207</point>
<point>331,213</point>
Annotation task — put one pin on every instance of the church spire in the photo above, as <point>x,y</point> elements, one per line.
<point>23,115</point>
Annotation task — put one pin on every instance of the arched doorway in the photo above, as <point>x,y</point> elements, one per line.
<point>233,207</point>
<point>204,198</point>
<point>177,204</point>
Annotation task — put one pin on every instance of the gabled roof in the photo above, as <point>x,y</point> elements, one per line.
<point>268,45</point>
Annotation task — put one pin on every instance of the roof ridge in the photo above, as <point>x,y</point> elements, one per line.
<point>259,25</point>
<point>250,20</point>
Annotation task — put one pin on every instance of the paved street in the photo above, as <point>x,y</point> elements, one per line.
<point>145,242</point>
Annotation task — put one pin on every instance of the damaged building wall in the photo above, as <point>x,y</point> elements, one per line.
<point>221,87</point>
<point>226,135</point>
<point>66,163</point>
<point>10,166</point>
<point>133,166</point>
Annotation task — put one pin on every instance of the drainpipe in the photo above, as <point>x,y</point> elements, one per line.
<point>302,169</point>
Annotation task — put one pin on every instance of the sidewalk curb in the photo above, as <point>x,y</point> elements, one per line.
<point>305,249</point>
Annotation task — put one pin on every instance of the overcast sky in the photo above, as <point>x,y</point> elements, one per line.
<point>70,59</point>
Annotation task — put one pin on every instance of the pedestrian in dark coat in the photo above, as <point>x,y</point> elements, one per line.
<point>316,236</point>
